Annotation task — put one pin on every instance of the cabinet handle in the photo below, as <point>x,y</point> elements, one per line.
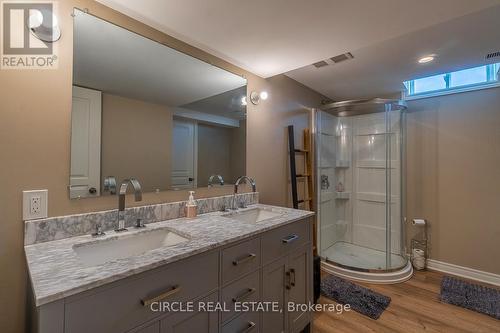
<point>250,256</point>
<point>292,277</point>
<point>247,293</point>
<point>149,301</point>
<point>289,239</point>
<point>287,280</point>
<point>251,326</point>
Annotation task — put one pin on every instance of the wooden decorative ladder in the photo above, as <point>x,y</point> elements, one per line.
<point>306,176</point>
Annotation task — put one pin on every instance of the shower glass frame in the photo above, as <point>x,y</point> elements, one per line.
<point>390,108</point>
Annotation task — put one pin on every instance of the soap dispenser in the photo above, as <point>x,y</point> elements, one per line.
<point>191,206</point>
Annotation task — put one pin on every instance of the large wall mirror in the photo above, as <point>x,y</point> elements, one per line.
<point>144,110</point>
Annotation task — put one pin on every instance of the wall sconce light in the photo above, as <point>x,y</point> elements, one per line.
<point>255,97</point>
<point>44,25</point>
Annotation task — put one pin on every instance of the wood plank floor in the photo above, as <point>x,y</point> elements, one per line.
<point>415,307</point>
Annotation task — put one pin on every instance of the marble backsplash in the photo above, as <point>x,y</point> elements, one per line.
<point>54,228</point>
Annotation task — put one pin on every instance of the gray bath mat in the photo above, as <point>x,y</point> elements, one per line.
<point>471,296</point>
<point>362,300</point>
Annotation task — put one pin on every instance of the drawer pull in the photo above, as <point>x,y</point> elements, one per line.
<point>292,277</point>
<point>148,302</point>
<point>246,294</point>
<point>289,239</point>
<point>287,280</point>
<point>251,326</point>
<point>250,256</point>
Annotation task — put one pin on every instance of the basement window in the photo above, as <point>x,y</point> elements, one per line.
<point>481,77</point>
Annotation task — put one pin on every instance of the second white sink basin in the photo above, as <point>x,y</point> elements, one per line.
<point>125,246</point>
<point>254,215</point>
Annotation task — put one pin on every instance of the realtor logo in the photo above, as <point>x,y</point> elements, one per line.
<point>27,28</point>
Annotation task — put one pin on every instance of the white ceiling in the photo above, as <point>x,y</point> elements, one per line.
<point>381,68</point>
<point>269,37</point>
<point>117,61</point>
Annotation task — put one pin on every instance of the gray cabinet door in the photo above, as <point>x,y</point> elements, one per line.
<point>273,290</point>
<point>193,322</point>
<point>299,263</point>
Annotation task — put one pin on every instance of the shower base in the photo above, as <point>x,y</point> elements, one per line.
<point>364,264</point>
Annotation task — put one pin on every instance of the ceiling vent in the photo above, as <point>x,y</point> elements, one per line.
<point>342,57</point>
<point>320,64</point>
<point>493,55</point>
<point>333,60</point>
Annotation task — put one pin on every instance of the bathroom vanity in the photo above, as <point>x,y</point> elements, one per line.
<point>257,254</point>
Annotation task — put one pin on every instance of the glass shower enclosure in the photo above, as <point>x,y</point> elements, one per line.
<point>360,168</point>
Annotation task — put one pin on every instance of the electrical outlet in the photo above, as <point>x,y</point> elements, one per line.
<point>35,204</point>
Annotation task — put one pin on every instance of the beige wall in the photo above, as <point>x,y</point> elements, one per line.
<point>214,147</point>
<point>238,151</point>
<point>136,141</point>
<point>454,176</point>
<point>35,119</point>
<point>221,150</point>
<point>289,103</point>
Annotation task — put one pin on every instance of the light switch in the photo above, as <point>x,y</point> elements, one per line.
<point>35,204</point>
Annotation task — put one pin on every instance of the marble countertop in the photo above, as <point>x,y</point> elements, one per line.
<point>56,271</point>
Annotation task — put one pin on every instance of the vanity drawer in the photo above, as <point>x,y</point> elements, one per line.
<point>246,289</point>
<point>124,305</point>
<point>281,241</point>
<point>240,259</point>
<point>246,323</point>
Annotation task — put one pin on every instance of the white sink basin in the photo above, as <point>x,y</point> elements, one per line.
<point>125,246</point>
<point>254,215</point>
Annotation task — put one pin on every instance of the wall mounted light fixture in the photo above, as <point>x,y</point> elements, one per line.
<point>44,25</point>
<point>256,97</point>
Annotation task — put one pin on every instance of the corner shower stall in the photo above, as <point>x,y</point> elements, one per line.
<point>360,175</point>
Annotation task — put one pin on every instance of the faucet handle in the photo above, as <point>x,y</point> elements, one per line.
<point>139,223</point>
<point>98,231</point>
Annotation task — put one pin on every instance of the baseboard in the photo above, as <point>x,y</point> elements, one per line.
<point>465,272</point>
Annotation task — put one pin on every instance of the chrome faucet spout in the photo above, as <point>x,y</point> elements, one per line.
<point>211,180</point>
<point>237,183</point>
<point>121,200</point>
<point>247,180</point>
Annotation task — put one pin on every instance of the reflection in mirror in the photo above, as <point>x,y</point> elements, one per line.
<point>143,110</point>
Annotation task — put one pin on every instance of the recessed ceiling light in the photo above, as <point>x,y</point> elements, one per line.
<point>426,59</point>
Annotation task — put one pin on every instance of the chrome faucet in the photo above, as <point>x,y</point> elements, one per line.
<point>211,179</point>
<point>238,181</point>
<point>121,200</point>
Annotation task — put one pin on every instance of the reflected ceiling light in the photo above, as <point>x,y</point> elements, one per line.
<point>244,100</point>
<point>255,97</point>
<point>44,25</point>
<point>426,59</point>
